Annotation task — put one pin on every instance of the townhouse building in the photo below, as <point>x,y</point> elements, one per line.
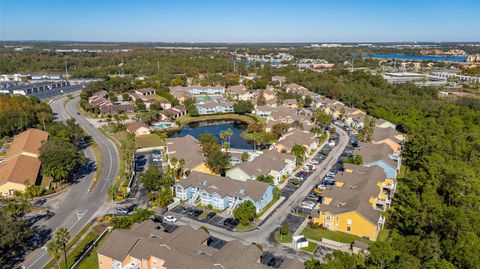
<point>223,193</point>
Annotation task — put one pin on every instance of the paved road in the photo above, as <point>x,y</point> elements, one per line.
<point>79,206</point>
<point>264,232</point>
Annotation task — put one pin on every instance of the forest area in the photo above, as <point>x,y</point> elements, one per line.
<point>435,218</point>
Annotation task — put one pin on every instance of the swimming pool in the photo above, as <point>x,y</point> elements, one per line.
<point>163,125</point>
<point>202,98</point>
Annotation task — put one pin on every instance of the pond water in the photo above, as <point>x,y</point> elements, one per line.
<point>215,127</point>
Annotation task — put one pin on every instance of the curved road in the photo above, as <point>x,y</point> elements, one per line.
<point>79,206</point>
<point>263,233</point>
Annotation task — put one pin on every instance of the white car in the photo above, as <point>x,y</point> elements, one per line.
<point>170,219</point>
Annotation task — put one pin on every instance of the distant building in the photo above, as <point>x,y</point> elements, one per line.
<point>33,88</point>
<point>21,163</point>
<point>45,77</point>
<point>145,91</point>
<point>214,108</point>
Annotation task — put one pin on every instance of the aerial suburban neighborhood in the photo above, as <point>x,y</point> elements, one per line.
<point>149,135</point>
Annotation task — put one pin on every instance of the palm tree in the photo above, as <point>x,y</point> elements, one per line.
<point>54,249</point>
<point>229,133</point>
<point>181,166</point>
<point>163,137</point>
<point>223,136</point>
<point>113,193</point>
<point>63,236</point>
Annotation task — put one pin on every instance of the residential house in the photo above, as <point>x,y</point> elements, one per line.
<point>183,93</point>
<point>21,164</point>
<point>381,123</point>
<point>279,79</point>
<point>286,115</point>
<point>296,137</point>
<point>145,91</point>
<point>151,246</point>
<point>138,128</point>
<point>223,192</point>
<point>214,108</point>
<point>187,148</point>
<point>240,92</point>
<point>354,204</point>
<point>98,99</point>
<point>388,136</point>
<point>174,112</point>
<point>290,103</point>
<point>380,155</point>
<point>271,162</point>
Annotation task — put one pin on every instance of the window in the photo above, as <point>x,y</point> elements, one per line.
<point>349,221</point>
<point>337,218</point>
<point>329,217</point>
<point>349,228</point>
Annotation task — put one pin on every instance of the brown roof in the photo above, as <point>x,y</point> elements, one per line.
<point>266,162</point>
<point>380,134</point>
<point>132,127</point>
<point>359,186</point>
<point>238,89</point>
<point>146,90</point>
<point>298,137</point>
<point>374,152</point>
<point>181,249</point>
<point>19,169</point>
<point>225,186</point>
<point>186,148</point>
<point>29,141</point>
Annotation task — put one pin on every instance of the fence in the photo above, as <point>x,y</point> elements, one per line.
<point>91,247</point>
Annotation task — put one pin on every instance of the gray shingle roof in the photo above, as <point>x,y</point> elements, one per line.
<point>266,162</point>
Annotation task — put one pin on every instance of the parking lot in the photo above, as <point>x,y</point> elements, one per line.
<point>293,222</point>
<point>211,218</point>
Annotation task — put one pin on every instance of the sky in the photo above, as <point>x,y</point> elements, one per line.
<point>241,21</point>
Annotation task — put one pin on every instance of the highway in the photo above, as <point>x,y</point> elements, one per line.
<point>262,234</point>
<point>78,206</point>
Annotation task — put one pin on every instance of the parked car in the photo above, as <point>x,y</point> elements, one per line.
<point>211,215</point>
<point>307,204</point>
<point>169,218</point>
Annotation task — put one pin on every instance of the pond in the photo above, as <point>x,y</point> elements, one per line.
<point>215,127</point>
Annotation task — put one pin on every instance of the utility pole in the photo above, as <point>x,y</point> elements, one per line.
<point>353,60</point>
<point>158,65</point>
<point>66,70</point>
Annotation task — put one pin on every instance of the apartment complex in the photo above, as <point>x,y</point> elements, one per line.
<point>150,246</point>
<point>21,165</point>
<point>222,192</point>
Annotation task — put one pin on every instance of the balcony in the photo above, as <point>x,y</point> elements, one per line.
<point>132,265</point>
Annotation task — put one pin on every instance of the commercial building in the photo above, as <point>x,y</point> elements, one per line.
<point>21,164</point>
<point>35,88</point>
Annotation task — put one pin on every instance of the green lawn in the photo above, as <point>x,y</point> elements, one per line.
<point>383,235</point>
<point>91,260</point>
<point>242,228</point>
<point>187,119</point>
<point>318,234</point>
<point>311,247</point>
<point>147,141</point>
<point>283,238</point>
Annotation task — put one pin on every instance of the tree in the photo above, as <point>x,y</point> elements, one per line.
<point>59,159</point>
<point>54,249</point>
<point>266,178</point>
<point>308,101</point>
<point>261,100</point>
<point>280,129</point>
<point>243,107</point>
<point>208,143</point>
<point>62,236</point>
<point>165,197</point>
<point>218,161</point>
<point>245,212</point>
<point>245,156</point>
<point>152,179</point>
<point>299,152</point>
<point>15,231</point>
<point>321,118</point>
<point>190,106</point>
<point>284,230</point>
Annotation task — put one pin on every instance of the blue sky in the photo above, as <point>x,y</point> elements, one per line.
<point>241,21</point>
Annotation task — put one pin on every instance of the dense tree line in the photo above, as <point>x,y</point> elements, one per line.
<point>18,113</point>
<point>435,218</point>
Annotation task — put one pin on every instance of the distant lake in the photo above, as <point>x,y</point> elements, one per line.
<point>414,57</point>
<point>195,129</point>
